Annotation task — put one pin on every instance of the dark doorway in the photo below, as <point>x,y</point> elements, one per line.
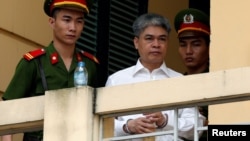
<point>203,5</point>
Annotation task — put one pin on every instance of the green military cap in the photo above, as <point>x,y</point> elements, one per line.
<point>84,5</point>
<point>192,20</point>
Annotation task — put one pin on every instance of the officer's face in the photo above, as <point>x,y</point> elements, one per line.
<point>193,50</point>
<point>67,25</point>
<point>152,46</point>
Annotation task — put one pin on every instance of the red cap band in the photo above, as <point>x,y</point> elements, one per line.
<point>197,26</point>
<point>78,3</point>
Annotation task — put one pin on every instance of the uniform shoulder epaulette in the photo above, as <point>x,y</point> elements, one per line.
<point>33,54</point>
<point>90,56</point>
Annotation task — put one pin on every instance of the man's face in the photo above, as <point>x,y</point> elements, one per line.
<point>193,50</point>
<point>152,46</point>
<point>67,25</point>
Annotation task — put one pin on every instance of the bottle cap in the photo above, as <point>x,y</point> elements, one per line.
<point>81,64</point>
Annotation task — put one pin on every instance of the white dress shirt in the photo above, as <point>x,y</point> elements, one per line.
<point>138,73</point>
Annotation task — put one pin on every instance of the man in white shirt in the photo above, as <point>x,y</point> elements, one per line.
<point>151,40</point>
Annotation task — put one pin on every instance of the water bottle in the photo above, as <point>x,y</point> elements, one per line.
<point>80,75</point>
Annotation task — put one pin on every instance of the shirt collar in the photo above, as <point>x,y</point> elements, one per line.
<point>139,67</point>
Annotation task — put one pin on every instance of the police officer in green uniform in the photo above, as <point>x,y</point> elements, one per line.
<point>52,67</point>
<point>193,29</point>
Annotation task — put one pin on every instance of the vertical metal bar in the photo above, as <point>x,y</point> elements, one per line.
<point>175,124</point>
<point>196,112</point>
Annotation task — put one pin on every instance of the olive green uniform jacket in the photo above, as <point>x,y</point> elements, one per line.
<point>27,81</point>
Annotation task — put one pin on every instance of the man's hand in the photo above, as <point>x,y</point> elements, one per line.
<point>158,118</point>
<point>141,125</point>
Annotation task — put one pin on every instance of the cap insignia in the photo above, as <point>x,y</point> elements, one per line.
<point>188,19</point>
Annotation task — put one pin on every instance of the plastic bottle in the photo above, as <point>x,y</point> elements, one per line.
<point>80,75</point>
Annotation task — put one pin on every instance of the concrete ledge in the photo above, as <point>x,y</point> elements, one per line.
<point>211,88</point>
<point>201,89</point>
<point>69,114</point>
<point>20,115</point>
